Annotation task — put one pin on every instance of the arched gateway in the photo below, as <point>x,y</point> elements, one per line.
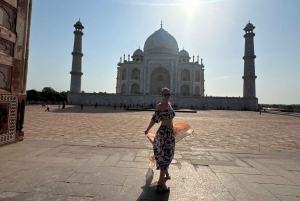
<point>160,77</point>
<point>157,65</point>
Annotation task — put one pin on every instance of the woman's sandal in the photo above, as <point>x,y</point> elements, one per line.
<point>161,188</point>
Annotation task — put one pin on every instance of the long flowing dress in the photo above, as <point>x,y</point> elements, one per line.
<point>165,139</point>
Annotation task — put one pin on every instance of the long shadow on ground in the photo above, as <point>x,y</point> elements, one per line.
<point>149,190</point>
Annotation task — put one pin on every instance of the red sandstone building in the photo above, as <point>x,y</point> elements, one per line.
<point>15,17</point>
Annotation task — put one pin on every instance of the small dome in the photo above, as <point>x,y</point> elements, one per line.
<point>249,25</point>
<point>249,28</point>
<point>161,42</point>
<point>78,25</point>
<point>183,53</point>
<point>138,52</point>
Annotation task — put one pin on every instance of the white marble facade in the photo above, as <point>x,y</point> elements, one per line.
<point>161,64</point>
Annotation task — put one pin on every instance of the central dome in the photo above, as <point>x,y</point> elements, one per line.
<point>161,42</point>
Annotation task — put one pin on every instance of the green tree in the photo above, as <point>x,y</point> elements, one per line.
<point>49,94</point>
<point>32,95</point>
<point>64,95</point>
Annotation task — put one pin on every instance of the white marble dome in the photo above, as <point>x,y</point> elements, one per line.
<point>183,53</point>
<point>138,52</point>
<point>161,42</point>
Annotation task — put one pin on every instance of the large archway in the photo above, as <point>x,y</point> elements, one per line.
<point>124,74</point>
<point>160,77</point>
<point>123,91</point>
<point>135,75</point>
<point>135,88</point>
<point>185,75</point>
<point>197,76</point>
<point>185,90</point>
<point>197,90</point>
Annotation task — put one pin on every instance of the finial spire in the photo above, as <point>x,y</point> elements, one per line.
<point>139,47</point>
<point>183,47</point>
<point>161,24</point>
<point>79,19</point>
<point>249,20</point>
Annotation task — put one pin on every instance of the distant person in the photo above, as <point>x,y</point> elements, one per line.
<point>115,106</point>
<point>47,108</point>
<point>81,106</point>
<point>64,105</point>
<point>96,105</point>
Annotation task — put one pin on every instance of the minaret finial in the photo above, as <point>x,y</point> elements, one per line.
<point>139,47</point>
<point>79,19</point>
<point>249,20</point>
<point>183,47</point>
<point>161,24</point>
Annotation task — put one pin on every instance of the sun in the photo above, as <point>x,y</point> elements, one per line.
<point>191,5</point>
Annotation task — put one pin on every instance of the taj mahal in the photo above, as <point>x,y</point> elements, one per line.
<point>160,64</point>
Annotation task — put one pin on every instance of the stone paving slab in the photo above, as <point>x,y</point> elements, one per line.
<point>107,176</point>
<point>105,157</point>
<point>214,129</point>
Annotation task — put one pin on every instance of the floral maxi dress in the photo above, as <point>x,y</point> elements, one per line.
<point>164,141</point>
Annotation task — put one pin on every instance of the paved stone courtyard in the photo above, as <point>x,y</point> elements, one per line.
<point>102,154</point>
<point>213,128</point>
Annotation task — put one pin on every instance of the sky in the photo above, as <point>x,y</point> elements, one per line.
<point>212,29</point>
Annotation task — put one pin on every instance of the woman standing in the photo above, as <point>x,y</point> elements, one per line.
<point>164,141</point>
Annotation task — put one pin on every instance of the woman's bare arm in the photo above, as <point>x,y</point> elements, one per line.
<point>149,127</point>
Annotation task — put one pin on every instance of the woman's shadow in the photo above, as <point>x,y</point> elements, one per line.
<point>149,190</point>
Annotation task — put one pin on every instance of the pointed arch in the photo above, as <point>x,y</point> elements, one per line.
<point>135,88</point>
<point>124,74</point>
<point>123,90</point>
<point>197,76</point>
<point>185,75</point>
<point>135,74</point>
<point>197,90</point>
<point>164,80</point>
<point>185,90</point>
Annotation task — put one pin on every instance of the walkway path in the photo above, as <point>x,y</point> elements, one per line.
<point>102,154</point>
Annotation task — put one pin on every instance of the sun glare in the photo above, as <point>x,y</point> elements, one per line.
<point>191,5</point>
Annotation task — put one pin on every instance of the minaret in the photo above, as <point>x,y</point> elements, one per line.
<point>76,63</point>
<point>249,65</point>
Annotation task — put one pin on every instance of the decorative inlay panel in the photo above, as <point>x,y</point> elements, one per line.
<point>8,116</point>
<point>6,47</point>
<point>7,16</point>
<point>4,77</point>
